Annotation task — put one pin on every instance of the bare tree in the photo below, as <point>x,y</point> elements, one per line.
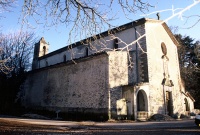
<point>15,59</point>
<point>16,52</point>
<point>5,5</point>
<point>87,17</point>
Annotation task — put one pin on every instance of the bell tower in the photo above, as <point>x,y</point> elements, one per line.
<point>41,48</point>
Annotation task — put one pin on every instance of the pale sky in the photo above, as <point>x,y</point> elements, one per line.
<point>57,36</point>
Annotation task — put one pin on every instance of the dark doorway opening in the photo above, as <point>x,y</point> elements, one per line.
<point>169,103</point>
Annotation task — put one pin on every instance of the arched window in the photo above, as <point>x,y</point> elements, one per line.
<point>187,108</point>
<point>44,50</point>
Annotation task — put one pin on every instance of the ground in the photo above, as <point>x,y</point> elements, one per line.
<point>21,126</point>
<point>14,127</point>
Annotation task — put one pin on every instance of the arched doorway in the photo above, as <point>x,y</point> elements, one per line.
<point>187,107</point>
<point>142,105</point>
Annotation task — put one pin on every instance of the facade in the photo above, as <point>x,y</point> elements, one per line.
<point>131,71</point>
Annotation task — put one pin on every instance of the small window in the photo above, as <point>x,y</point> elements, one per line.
<point>86,51</point>
<point>116,42</point>
<point>64,58</point>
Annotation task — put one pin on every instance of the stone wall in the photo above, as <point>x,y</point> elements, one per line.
<point>118,69</point>
<point>82,86</point>
<point>118,77</point>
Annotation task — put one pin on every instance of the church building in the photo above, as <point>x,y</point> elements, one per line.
<point>131,72</point>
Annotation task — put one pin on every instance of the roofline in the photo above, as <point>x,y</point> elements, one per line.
<point>190,96</point>
<point>98,36</point>
<point>171,35</point>
<point>187,94</point>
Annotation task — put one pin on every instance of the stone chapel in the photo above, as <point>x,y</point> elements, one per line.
<point>131,71</point>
